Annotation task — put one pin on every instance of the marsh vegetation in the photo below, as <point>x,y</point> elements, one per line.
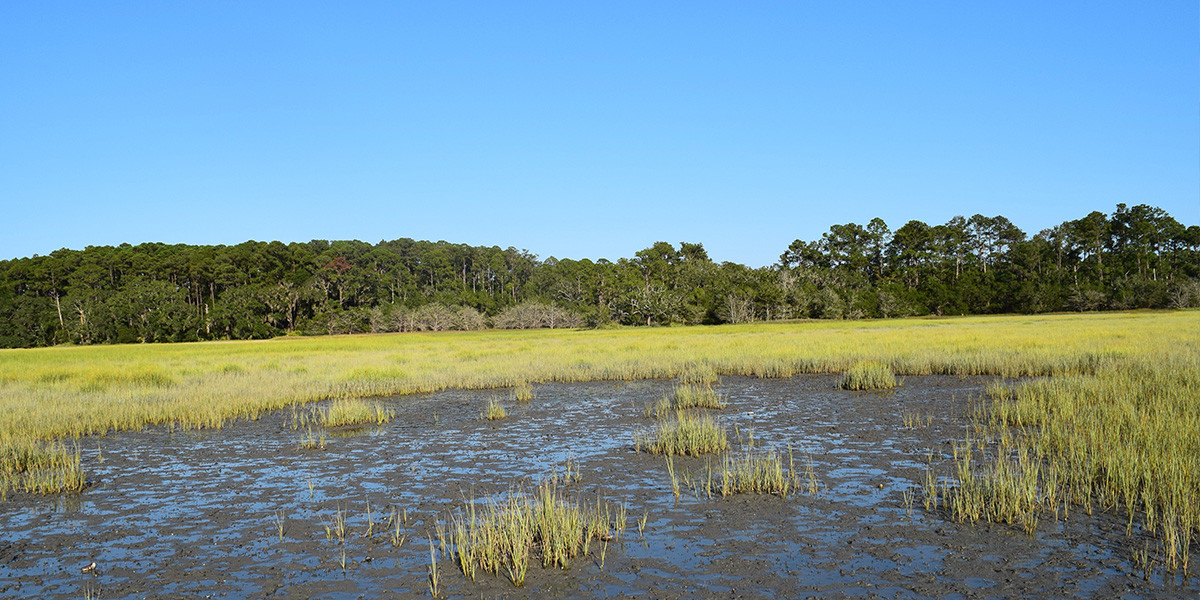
<point>1084,415</point>
<point>868,376</point>
<point>502,535</point>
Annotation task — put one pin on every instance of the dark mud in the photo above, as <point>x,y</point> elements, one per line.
<point>189,514</point>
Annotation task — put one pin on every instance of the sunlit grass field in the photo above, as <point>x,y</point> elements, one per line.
<point>1110,409</point>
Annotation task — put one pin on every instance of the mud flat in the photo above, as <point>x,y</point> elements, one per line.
<point>242,512</point>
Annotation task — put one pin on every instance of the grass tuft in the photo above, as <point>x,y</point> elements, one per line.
<point>868,376</point>
<point>692,395</point>
<point>522,393</point>
<point>685,396</point>
<point>494,411</point>
<point>503,535</point>
<point>755,472</point>
<point>684,434</point>
<point>354,412</point>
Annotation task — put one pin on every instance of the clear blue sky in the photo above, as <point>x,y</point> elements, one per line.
<point>578,129</point>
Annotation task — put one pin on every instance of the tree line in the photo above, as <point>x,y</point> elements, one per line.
<point>1137,257</point>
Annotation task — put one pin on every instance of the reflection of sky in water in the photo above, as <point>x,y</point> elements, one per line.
<point>202,505</point>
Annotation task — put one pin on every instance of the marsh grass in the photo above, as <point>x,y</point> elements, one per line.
<point>659,408</point>
<point>913,420</point>
<point>313,441</point>
<point>280,522</point>
<point>697,395</point>
<point>1005,491</point>
<point>39,467</point>
<point>494,411</point>
<point>394,525</point>
<point>1123,438</point>
<point>571,472</point>
<point>868,375</point>
<point>811,484</point>
<point>370,518</point>
<point>687,394</point>
<point>433,572</point>
<point>502,535</point>
<point>755,471</point>
<point>675,487</point>
<point>345,411</point>
<point>337,526</point>
<point>684,434</point>
<point>522,393</point>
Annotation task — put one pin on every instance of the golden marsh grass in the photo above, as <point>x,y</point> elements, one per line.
<point>353,411</point>
<point>504,534</point>
<point>494,411</point>
<point>684,434</point>
<point>868,375</point>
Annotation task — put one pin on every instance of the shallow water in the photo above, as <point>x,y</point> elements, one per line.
<point>196,514</point>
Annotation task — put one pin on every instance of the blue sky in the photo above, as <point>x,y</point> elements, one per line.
<point>577,129</point>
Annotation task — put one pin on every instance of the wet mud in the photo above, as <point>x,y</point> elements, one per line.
<point>198,514</point>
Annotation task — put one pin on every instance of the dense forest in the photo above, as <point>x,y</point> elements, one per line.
<point>1137,257</point>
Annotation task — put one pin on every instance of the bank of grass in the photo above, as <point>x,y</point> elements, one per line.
<point>39,467</point>
<point>1110,402</point>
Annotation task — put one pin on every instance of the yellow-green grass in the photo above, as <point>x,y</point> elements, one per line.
<point>754,472</point>
<point>1119,413</point>
<point>697,395</point>
<point>501,536</point>
<point>685,396</point>
<point>354,411</point>
<point>522,393</point>
<point>684,434</point>
<point>39,467</point>
<point>1125,437</point>
<point>70,391</point>
<point>494,411</point>
<point>868,375</point>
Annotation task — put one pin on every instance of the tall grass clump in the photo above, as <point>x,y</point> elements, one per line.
<point>697,395</point>
<point>522,393</point>
<point>354,412</point>
<point>503,535</point>
<point>698,375</point>
<point>685,396</point>
<point>684,434</point>
<point>755,472</point>
<point>868,376</point>
<point>494,411</point>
